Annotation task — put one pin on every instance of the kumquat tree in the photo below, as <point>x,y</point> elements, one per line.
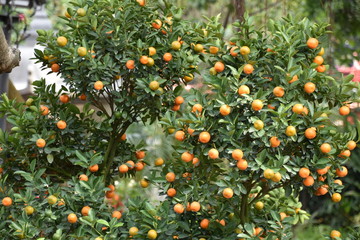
<point>242,152</point>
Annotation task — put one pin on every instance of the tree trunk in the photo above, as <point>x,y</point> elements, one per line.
<point>239,9</point>
<point>9,57</point>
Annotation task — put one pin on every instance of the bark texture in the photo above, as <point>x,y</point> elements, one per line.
<point>9,57</point>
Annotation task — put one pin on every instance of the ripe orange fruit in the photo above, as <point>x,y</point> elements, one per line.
<point>345,153</point>
<point>167,57</point>
<point>130,164</point>
<point>144,60</point>
<point>94,168</point>
<point>40,143</point>
<point>309,87</point>
<point>64,98</point>
<point>204,224</point>
<point>55,67</point>
<point>159,162</point>
<point>257,105</point>
<point>195,162</point>
<point>318,60</point>
<point>278,92</point>
<point>298,108</point>
<point>321,52</point>
<point>277,177</point>
<point>204,137</point>
<point>344,110</point>
<point>176,45</point>
<point>123,168</point>
<point>98,85</point>
<point>335,234</point>
<point>176,107</point>
<point>232,51</point>
<point>179,208</point>
<point>244,50</point>
<point>171,192</point>
<point>323,171</point>
<point>294,79</point>
<point>325,148</point>
<point>152,51</point>
<point>190,131</point>
<point>154,85</point>
<point>85,210</point>
<point>351,145</point>
<point>242,164</point>
<point>336,197</point>
<point>152,234</point>
<point>225,110</point>
<point>243,89</point>
<point>290,131</point>
<point>274,142</point>
<point>338,181</point>
<point>312,43</point>
<point>320,68</point>
<point>257,231</point>
<point>198,48</point>
<point>130,64</point>
<point>195,206</point>
<point>268,173</point>
<point>197,108</point>
<point>133,231</point>
<point>248,69</point>
<point>170,177</point>
<point>116,214</point>
<point>44,110</point>
<point>61,41</point>
<point>341,172</point>
<point>72,218</point>
<point>82,97</point>
<point>189,77</point>
<point>83,177</point>
<point>228,193</point>
<point>322,190</point>
<point>309,181</point>
<point>82,51</point>
<point>139,166</point>
<point>310,133</point>
<point>187,157</point>
<point>213,50</point>
<point>61,124</point>
<point>304,172</point>
<point>237,154</point>
<point>282,216</point>
<point>141,3</point>
<point>179,100</point>
<point>156,24</point>
<point>140,154</point>
<point>180,135</point>
<point>219,67</point>
<point>213,153</point>
<point>6,201</point>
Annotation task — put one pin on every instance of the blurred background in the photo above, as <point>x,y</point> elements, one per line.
<point>21,18</point>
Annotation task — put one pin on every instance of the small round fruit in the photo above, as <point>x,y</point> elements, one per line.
<point>152,234</point>
<point>268,173</point>
<point>237,154</point>
<point>180,135</point>
<point>213,50</point>
<point>320,68</point>
<point>179,100</point>
<point>290,131</point>
<point>52,200</point>
<point>309,87</point>
<point>83,177</point>
<point>225,110</point>
<point>344,110</point>
<point>40,143</point>
<point>258,124</point>
<point>6,201</point>
<point>123,168</point>
<point>154,85</point>
<point>167,57</point>
<point>351,145</point>
<point>219,67</point>
<point>72,218</point>
<point>304,172</point>
<point>259,205</point>
<point>176,45</point>
<point>322,51</point>
<point>130,64</point>
<point>242,164</point>
<point>61,41</point>
<point>64,98</point>
<point>243,89</point>
<point>318,60</point>
<point>61,124</point>
<point>85,210</point>
<point>204,224</point>
<point>341,172</point>
<point>312,43</point>
<point>309,181</point>
<point>277,177</point>
<point>170,177</point>
<point>204,137</point>
<point>189,77</point>
<point>179,208</point>
<point>257,105</point>
<point>195,206</point>
<point>116,214</point>
<point>244,50</point>
<point>82,51</point>
<point>336,197</point>
<point>278,92</point>
<point>133,231</point>
<point>98,85</point>
<point>198,48</point>
<point>335,234</point>
<point>310,133</point>
<point>144,183</point>
<point>213,153</point>
<point>298,108</point>
<point>81,12</point>
<point>29,210</point>
<point>156,24</point>
<point>274,142</point>
<point>171,192</point>
<point>159,162</point>
<point>248,68</point>
<point>197,108</point>
<point>325,148</point>
<point>94,168</point>
<point>228,193</point>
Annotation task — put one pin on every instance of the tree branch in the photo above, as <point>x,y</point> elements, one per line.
<point>9,57</point>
